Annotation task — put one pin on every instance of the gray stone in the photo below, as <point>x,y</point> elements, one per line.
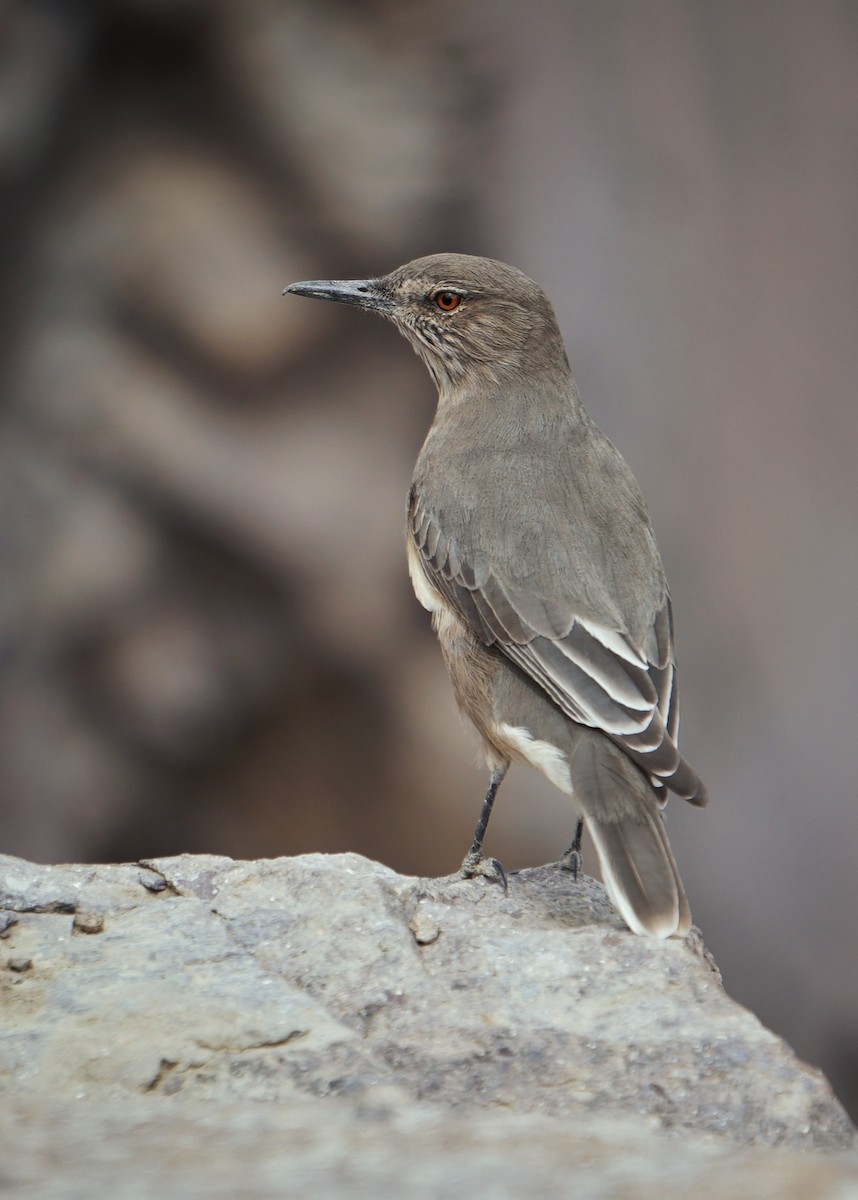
<point>175,1149</point>
<point>397,1035</point>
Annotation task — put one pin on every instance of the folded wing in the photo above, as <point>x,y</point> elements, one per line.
<point>595,673</point>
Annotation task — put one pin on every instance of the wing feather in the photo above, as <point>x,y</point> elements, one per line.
<point>596,674</point>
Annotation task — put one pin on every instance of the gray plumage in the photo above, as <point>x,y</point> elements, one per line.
<point>531,545</point>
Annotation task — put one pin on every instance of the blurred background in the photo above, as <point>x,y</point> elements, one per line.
<point>209,641</point>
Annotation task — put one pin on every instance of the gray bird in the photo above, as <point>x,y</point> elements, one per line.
<point>530,544</point>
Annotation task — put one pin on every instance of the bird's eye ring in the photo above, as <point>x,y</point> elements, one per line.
<point>447,301</point>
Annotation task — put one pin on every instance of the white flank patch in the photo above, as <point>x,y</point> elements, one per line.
<point>446,623</point>
<point>444,620</point>
<point>423,590</point>
<point>546,758</point>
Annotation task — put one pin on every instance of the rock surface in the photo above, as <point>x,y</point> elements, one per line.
<point>201,1025</point>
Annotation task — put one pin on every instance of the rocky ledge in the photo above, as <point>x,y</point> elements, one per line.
<point>201,1026</point>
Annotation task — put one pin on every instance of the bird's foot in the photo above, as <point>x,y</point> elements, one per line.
<point>477,864</point>
<point>572,860</point>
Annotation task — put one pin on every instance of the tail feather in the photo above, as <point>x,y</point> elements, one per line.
<point>640,873</point>
<point>623,814</point>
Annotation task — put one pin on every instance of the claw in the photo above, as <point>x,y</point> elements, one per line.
<point>489,868</point>
<point>572,860</point>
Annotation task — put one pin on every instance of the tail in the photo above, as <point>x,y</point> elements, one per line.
<point>640,873</point>
<point>623,815</point>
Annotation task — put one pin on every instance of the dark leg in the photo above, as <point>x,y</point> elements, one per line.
<point>475,861</point>
<point>572,859</point>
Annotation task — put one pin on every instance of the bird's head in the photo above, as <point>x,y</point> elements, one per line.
<point>473,321</point>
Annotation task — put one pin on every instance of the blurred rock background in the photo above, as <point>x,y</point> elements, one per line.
<point>208,637</point>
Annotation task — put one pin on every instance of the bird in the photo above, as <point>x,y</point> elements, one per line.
<point>529,542</point>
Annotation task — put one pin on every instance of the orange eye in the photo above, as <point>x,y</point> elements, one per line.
<point>447,301</point>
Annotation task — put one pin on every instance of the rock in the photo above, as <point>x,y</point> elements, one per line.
<point>403,1036</point>
<point>179,1150</point>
